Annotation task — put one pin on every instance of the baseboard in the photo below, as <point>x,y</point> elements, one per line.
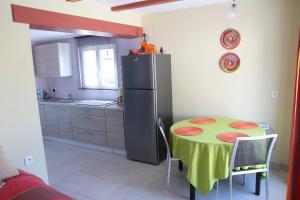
<point>88,146</point>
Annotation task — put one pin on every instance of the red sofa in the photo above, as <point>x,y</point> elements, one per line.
<point>28,187</point>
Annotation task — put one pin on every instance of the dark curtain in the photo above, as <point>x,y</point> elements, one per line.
<point>293,191</point>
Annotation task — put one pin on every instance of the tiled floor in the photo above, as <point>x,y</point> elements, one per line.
<point>91,175</point>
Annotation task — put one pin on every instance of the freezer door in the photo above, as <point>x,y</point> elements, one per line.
<point>140,125</point>
<point>138,72</point>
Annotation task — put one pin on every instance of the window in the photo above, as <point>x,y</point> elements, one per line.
<point>98,67</point>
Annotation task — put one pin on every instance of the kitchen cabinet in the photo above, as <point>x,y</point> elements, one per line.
<point>89,125</point>
<point>51,128</point>
<point>115,129</point>
<point>64,122</point>
<point>84,124</point>
<point>42,118</point>
<point>53,60</point>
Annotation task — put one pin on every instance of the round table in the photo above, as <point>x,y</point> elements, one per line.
<point>206,157</point>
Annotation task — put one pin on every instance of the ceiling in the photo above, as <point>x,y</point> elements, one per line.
<point>42,36</point>
<point>161,7</point>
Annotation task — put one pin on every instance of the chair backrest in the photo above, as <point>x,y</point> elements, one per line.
<point>268,129</point>
<point>249,151</point>
<point>161,127</point>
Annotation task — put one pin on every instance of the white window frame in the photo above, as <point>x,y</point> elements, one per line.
<point>97,48</point>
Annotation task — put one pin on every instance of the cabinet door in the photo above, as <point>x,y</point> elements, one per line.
<point>64,122</point>
<point>51,112</point>
<point>40,62</point>
<point>65,130</point>
<point>53,60</point>
<point>42,118</point>
<point>52,129</point>
<point>115,129</point>
<point>47,60</point>
<point>63,114</point>
<point>51,121</point>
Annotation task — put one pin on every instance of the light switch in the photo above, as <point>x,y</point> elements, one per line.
<point>275,94</point>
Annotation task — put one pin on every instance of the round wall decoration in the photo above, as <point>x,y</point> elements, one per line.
<point>229,62</point>
<point>230,38</point>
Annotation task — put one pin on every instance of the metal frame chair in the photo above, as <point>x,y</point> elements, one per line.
<point>268,129</point>
<point>237,152</point>
<point>169,155</point>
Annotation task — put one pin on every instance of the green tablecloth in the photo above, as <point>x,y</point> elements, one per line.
<point>206,157</point>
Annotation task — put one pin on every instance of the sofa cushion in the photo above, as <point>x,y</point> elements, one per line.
<point>6,169</point>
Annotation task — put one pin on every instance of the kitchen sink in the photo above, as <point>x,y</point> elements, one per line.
<point>66,101</point>
<point>59,100</point>
<point>95,102</point>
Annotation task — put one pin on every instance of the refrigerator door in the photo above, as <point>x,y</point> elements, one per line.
<point>138,72</point>
<point>140,125</point>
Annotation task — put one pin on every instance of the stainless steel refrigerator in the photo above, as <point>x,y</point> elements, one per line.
<point>147,96</point>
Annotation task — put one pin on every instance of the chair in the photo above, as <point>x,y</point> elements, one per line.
<point>169,155</point>
<point>268,129</point>
<point>251,151</point>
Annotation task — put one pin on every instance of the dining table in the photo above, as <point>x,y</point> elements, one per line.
<point>204,146</point>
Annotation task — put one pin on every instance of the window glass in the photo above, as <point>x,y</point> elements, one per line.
<point>107,70</point>
<point>90,71</point>
<point>98,67</point>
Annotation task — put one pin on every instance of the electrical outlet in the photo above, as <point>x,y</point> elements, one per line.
<point>275,94</point>
<point>28,160</point>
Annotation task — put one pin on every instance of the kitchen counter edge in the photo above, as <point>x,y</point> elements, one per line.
<point>117,107</point>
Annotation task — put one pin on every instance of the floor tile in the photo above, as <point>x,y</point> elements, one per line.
<point>91,175</point>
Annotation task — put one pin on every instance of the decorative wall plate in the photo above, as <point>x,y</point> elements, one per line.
<point>229,62</point>
<point>230,38</point>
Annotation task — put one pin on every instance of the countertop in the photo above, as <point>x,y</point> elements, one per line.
<point>108,107</point>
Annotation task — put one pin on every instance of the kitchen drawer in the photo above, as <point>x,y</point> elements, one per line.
<point>51,112</point>
<point>52,129</point>
<point>115,115</point>
<point>86,111</point>
<point>63,114</point>
<point>90,137</point>
<point>116,144</point>
<point>65,130</point>
<point>88,122</point>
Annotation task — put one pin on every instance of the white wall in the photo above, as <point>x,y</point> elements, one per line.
<point>269,31</point>
<point>20,132</point>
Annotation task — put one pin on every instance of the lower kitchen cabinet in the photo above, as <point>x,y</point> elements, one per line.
<point>115,129</point>
<point>52,128</point>
<point>64,122</point>
<point>88,125</point>
<point>42,118</point>
<point>65,130</point>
